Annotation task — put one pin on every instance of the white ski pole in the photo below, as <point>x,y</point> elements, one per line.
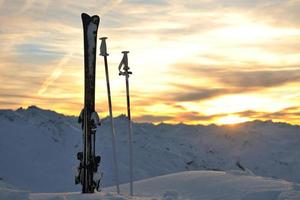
<point>126,73</point>
<point>103,52</point>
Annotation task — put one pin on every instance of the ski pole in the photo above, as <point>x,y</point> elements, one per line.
<point>126,73</point>
<point>103,52</point>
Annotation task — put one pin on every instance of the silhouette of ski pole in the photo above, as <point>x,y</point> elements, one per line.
<point>103,52</point>
<point>126,73</point>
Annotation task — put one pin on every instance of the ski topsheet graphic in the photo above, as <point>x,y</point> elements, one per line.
<point>87,170</point>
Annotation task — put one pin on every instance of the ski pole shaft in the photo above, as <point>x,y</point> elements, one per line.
<point>103,52</point>
<point>129,136</point>
<point>112,128</point>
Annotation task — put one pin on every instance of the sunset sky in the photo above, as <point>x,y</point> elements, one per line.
<point>197,62</point>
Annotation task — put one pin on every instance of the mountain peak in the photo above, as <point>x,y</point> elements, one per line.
<point>34,107</point>
<point>121,117</point>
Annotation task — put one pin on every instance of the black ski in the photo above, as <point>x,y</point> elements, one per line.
<point>88,117</point>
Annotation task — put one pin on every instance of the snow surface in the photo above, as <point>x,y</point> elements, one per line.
<point>38,149</point>
<point>191,185</point>
<point>9,192</point>
<point>195,185</point>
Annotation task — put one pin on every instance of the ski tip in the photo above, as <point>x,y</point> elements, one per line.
<point>94,18</point>
<point>84,16</point>
<point>125,52</point>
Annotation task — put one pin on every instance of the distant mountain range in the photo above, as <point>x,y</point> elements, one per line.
<point>38,148</point>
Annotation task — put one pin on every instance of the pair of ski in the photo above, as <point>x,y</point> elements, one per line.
<point>89,162</point>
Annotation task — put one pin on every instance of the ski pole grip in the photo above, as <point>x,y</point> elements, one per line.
<point>125,60</point>
<point>124,63</point>
<point>103,48</point>
<point>125,52</point>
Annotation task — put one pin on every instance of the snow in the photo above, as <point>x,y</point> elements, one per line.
<point>211,185</point>
<point>38,149</point>
<point>8,192</point>
<point>189,185</point>
<point>78,196</point>
<point>32,143</point>
<point>215,185</point>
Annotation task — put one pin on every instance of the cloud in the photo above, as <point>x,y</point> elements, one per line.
<point>199,94</point>
<point>259,78</point>
<point>148,2</point>
<point>280,12</point>
<point>152,118</point>
<point>27,5</point>
<point>9,100</point>
<point>55,74</point>
<point>185,117</point>
<point>226,81</point>
<point>34,97</point>
<point>198,118</point>
<point>36,53</point>
<point>53,77</point>
<point>291,114</point>
<point>254,76</point>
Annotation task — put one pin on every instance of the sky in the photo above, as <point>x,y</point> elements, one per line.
<point>197,62</point>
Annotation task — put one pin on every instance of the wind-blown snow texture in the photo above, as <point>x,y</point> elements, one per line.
<point>38,148</point>
<point>192,185</point>
<point>231,185</point>
<point>9,192</point>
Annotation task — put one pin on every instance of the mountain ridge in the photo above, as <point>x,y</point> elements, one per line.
<point>34,107</point>
<point>39,147</point>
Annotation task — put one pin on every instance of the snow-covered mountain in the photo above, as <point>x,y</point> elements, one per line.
<point>38,148</point>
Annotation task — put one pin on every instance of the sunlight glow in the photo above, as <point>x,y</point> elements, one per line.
<point>232,119</point>
<point>239,103</point>
<point>254,33</point>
